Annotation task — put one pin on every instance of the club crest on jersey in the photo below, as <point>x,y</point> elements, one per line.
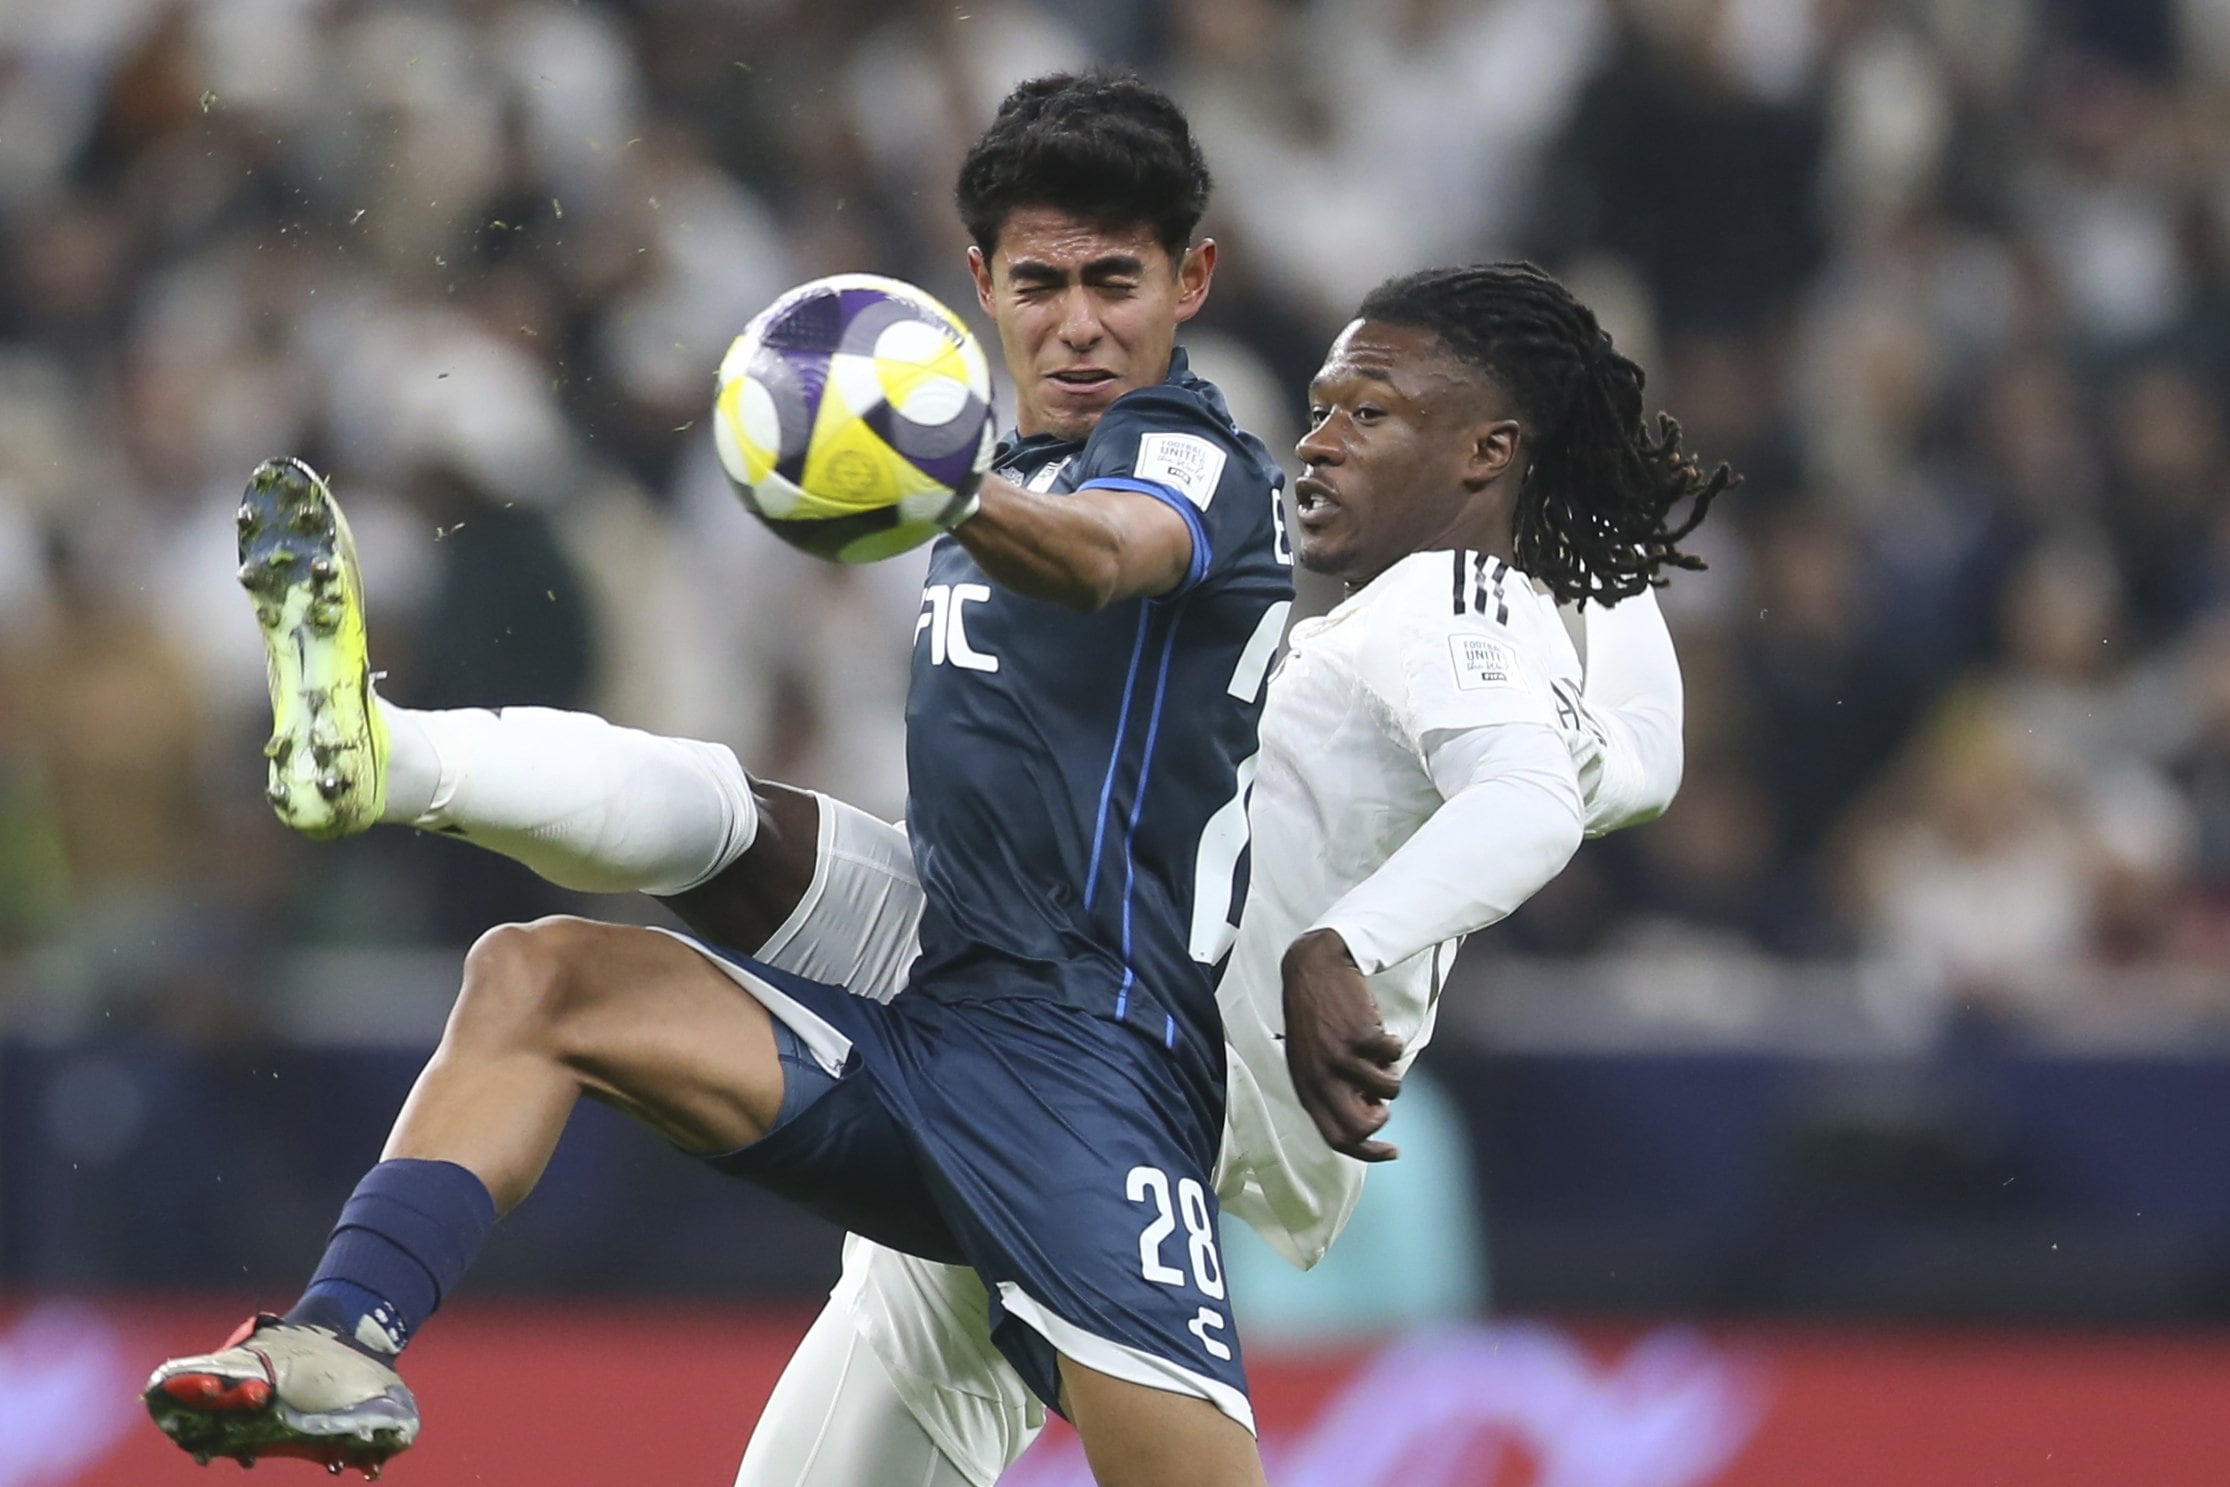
<point>1183,462</point>
<point>1481,662</point>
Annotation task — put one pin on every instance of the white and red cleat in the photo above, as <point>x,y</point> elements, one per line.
<point>279,1388</point>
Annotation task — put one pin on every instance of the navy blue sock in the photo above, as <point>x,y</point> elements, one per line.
<point>405,1238</point>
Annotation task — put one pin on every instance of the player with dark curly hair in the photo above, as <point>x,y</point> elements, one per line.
<point>1598,485</point>
<point>1101,147</point>
<point>1078,729</point>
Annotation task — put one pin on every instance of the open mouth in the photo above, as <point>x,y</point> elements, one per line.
<point>1313,502</point>
<point>1083,379</point>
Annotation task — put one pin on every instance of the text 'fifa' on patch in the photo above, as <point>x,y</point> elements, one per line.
<point>1481,662</point>
<point>1183,462</point>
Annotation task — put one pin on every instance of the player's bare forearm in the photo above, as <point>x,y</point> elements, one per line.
<point>743,904</point>
<point>1336,1047</point>
<point>1083,551</point>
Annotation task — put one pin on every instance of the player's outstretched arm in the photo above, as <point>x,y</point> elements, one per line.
<point>1084,550</point>
<point>1633,695</point>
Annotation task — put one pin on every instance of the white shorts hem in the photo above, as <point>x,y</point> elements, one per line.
<point>1120,1360</point>
<point>824,837</point>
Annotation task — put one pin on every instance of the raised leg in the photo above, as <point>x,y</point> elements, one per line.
<point>548,1012</point>
<point>564,1007</point>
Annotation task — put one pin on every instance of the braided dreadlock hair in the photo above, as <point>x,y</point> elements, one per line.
<point>1594,513</point>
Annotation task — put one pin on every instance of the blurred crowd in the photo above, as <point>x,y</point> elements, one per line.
<point>1948,281</point>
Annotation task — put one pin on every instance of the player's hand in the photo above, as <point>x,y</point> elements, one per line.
<point>1336,1047</point>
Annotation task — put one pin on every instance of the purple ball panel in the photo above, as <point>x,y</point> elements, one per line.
<point>794,379</point>
<point>923,442</point>
<point>814,323</point>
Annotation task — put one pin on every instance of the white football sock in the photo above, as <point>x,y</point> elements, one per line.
<point>585,803</point>
<point>413,765</point>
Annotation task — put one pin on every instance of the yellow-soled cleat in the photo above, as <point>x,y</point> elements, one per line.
<point>328,748</point>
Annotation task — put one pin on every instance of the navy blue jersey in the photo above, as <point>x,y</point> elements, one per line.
<point>1077,780</point>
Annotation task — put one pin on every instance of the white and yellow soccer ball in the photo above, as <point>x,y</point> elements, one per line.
<point>854,417</point>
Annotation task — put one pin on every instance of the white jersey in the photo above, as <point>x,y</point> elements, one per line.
<point>1441,644</point>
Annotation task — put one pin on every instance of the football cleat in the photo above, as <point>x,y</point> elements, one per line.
<point>328,748</point>
<point>281,1388</point>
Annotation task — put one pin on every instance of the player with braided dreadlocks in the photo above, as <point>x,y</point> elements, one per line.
<point>1599,485</point>
<point>1432,752</point>
<point>1478,456</point>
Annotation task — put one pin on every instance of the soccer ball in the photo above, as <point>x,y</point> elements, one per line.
<point>854,417</point>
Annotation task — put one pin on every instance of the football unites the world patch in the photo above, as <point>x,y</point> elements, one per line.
<point>853,416</point>
<point>1481,662</point>
<point>1186,463</point>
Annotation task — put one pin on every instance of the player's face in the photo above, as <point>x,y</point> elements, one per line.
<point>1086,312</point>
<point>1404,447</point>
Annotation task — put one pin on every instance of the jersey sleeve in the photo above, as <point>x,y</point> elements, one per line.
<point>1460,671</point>
<point>1633,705</point>
<point>1445,663</point>
<point>1165,443</point>
<point>1510,819</point>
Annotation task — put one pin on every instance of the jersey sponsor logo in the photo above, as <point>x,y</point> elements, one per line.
<point>944,616</point>
<point>1183,462</point>
<point>1482,663</point>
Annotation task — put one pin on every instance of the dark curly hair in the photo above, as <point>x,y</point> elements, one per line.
<point>1594,514</point>
<point>1104,146</point>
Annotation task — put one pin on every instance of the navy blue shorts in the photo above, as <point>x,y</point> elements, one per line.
<point>1054,1151</point>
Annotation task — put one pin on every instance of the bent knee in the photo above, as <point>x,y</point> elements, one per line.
<point>517,977</point>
